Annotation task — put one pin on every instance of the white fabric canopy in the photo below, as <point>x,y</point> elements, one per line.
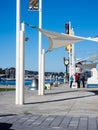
<point>89,66</point>
<point>89,59</point>
<point>58,40</point>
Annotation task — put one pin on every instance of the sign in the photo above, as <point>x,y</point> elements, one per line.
<point>69,48</point>
<point>33,4</point>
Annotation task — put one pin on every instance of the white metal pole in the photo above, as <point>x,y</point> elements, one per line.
<point>40,46</point>
<point>70,62</point>
<point>73,55</point>
<point>73,58</point>
<point>42,71</point>
<point>22,57</point>
<point>69,66</point>
<point>17,49</point>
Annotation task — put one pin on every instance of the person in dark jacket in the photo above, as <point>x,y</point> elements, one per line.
<point>77,79</point>
<point>83,80</point>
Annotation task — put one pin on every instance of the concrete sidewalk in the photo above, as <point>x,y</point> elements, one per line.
<point>60,108</point>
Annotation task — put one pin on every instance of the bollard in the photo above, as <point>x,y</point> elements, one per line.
<point>34,84</point>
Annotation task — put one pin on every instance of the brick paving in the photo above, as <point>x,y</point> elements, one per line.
<point>61,108</point>
<point>47,122</point>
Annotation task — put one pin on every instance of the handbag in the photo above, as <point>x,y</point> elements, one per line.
<point>74,85</point>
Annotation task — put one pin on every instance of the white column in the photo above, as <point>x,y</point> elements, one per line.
<point>42,72</point>
<point>17,49</point>
<point>40,46</point>
<point>22,57</point>
<point>73,59</point>
<point>70,62</point>
<point>73,55</point>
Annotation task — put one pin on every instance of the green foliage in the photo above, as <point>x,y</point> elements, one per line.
<point>7,89</point>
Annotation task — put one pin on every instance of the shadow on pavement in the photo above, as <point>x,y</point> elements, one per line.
<point>5,126</point>
<point>61,92</point>
<point>94,91</point>
<point>7,115</point>
<point>58,100</point>
<point>71,91</point>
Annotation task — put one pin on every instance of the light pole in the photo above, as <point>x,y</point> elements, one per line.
<point>34,6</point>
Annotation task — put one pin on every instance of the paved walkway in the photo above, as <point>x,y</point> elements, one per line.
<point>61,108</point>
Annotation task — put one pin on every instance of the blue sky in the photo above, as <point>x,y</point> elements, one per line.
<point>83,15</point>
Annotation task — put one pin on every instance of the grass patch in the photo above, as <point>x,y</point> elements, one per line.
<point>7,89</point>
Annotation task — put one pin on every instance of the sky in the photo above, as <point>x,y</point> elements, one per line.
<point>83,15</point>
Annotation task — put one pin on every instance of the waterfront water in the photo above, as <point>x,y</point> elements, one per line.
<point>28,82</point>
<point>13,82</point>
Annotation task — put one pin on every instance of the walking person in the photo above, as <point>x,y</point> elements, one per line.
<point>71,80</point>
<point>83,80</point>
<point>77,79</point>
